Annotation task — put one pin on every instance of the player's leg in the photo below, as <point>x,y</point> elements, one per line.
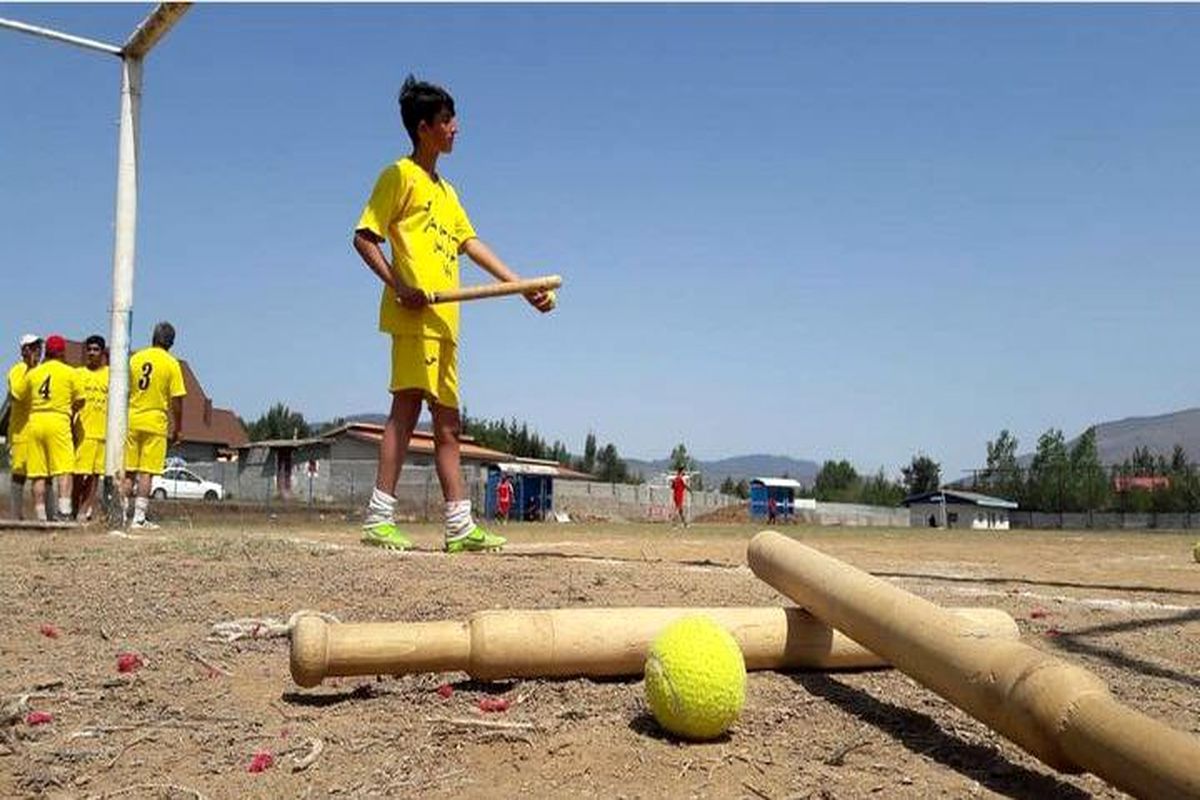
<point>61,451</point>
<point>379,522</point>
<point>37,466</point>
<point>18,466</point>
<point>152,458</point>
<point>462,533</point>
<point>133,454</point>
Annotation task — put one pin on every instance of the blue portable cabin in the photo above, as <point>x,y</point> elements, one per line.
<point>533,488</point>
<point>782,490</point>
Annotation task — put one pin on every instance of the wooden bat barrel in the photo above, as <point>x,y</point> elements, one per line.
<point>1061,713</point>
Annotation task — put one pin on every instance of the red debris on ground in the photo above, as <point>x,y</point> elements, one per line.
<point>1038,613</point>
<point>1052,632</point>
<point>49,631</point>
<point>39,718</point>
<point>263,760</point>
<point>445,690</point>
<point>493,704</point>
<point>129,662</point>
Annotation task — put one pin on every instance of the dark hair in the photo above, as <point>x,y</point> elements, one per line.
<point>164,335</point>
<point>94,339</point>
<point>422,102</point>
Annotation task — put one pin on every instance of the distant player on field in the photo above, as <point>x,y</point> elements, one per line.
<point>155,388</point>
<point>18,419</point>
<point>417,212</point>
<point>504,498</point>
<point>679,485</point>
<point>52,391</point>
<point>91,422</point>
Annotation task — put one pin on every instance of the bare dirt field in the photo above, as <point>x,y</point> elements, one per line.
<point>190,720</point>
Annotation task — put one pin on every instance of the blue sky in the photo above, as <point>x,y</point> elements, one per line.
<point>845,231</point>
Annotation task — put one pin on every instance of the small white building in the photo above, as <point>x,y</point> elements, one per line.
<point>952,508</point>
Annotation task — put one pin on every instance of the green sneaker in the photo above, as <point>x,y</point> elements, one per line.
<point>385,535</point>
<point>475,541</point>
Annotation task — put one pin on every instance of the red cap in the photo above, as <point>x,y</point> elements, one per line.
<point>55,344</point>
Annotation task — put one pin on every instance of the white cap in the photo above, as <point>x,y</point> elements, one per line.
<point>30,338</point>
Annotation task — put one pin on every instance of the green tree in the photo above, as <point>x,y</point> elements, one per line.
<point>280,422</point>
<point>836,481</point>
<point>879,490</point>
<point>1088,481</point>
<point>589,453</point>
<point>1048,472</point>
<point>922,474</point>
<point>728,486</point>
<point>331,425</point>
<point>680,460</point>
<point>742,489</point>
<point>610,467</point>
<point>1003,475</point>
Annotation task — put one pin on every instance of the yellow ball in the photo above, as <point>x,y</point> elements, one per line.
<point>695,678</point>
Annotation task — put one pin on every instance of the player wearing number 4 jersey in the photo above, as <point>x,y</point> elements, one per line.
<point>53,391</point>
<point>155,390</point>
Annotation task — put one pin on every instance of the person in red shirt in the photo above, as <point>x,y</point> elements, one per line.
<point>504,498</point>
<point>679,485</point>
<point>772,510</point>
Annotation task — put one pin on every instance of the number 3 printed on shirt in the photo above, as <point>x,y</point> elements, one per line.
<point>144,381</point>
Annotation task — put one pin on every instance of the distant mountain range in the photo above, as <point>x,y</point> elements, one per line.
<point>1116,441</point>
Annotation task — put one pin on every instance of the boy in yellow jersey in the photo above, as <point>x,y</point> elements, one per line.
<point>417,212</point>
<point>155,387</point>
<point>18,419</point>
<point>52,390</point>
<point>91,421</point>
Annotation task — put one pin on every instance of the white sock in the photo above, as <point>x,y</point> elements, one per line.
<point>124,508</point>
<point>140,504</point>
<point>64,506</point>
<point>40,510</point>
<point>458,519</point>
<point>380,508</point>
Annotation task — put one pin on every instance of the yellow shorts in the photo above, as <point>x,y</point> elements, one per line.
<point>18,457</point>
<point>430,365</point>
<point>145,452</point>
<point>89,457</point>
<point>50,449</point>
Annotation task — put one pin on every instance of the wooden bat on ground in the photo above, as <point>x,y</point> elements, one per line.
<point>497,289</point>
<point>594,642</point>
<point>1061,713</point>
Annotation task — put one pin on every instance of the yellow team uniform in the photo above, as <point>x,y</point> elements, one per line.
<point>52,389</point>
<point>426,226</point>
<point>155,379</point>
<point>92,421</point>
<point>18,418</point>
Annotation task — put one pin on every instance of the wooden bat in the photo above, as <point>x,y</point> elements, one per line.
<point>497,289</point>
<point>1061,713</point>
<point>595,642</point>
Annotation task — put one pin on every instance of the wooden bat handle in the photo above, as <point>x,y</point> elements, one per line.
<point>498,289</point>
<point>1059,712</point>
<point>596,642</point>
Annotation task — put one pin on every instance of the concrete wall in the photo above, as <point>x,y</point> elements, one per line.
<point>1105,520</point>
<point>855,515</point>
<point>620,501</point>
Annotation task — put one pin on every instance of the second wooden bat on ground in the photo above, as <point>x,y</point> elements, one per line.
<point>594,642</point>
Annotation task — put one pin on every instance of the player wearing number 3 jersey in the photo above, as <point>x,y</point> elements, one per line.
<point>52,390</point>
<point>156,394</point>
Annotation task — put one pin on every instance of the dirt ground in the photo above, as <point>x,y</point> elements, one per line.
<point>190,721</point>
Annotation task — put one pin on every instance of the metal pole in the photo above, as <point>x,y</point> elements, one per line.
<point>58,36</point>
<point>122,291</point>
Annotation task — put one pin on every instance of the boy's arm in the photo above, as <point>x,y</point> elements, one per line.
<point>366,244</point>
<point>483,255</point>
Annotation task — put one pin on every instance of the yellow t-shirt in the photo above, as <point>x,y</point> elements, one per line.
<point>18,416</point>
<point>426,227</point>
<point>52,388</point>
<point>154,379</point>
<point>92,420</point>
